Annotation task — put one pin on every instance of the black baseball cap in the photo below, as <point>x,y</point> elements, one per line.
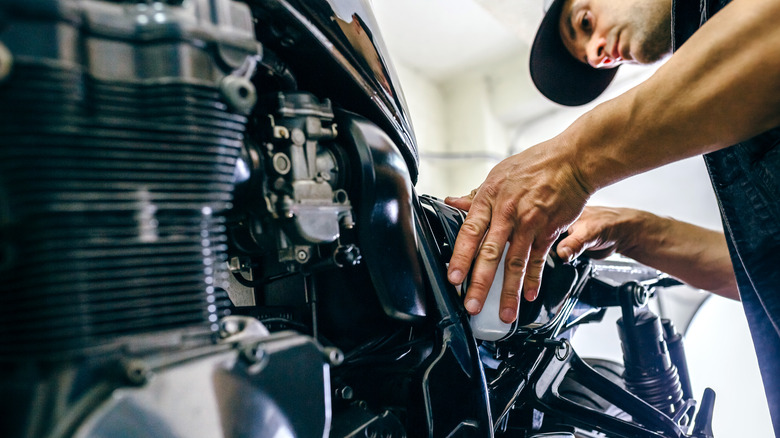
<point>556,73</point>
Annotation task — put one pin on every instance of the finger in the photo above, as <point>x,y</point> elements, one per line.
<point>579,240</point>
<point>571,246</point>
<point>463,202</point>
<point>515,265</point>
<point>466,244</point>
<point>485,267</point>
<point>533,276</point>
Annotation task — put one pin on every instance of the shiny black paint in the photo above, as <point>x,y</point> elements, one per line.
<point>383,198</point>
<point>453,380</point>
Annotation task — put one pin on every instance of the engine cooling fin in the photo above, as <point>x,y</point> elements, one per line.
<point>110,195</point>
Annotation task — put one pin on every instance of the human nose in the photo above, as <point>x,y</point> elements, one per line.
<point>596,52</point>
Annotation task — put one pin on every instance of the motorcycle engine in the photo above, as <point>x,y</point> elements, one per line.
<point>122,124</point>
<point>161,173</point>
<point>124,144</point>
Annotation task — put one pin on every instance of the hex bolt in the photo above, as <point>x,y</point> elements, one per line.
<point>345,393</point>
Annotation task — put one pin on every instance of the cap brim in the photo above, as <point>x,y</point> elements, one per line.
<point>556,73</point>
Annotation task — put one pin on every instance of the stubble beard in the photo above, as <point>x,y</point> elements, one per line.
<point>654,36</point>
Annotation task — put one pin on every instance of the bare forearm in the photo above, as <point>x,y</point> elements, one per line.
<point>720,88</point>
<point>695,255</point>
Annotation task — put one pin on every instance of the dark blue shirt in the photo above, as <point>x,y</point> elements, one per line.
<point>746,179</point>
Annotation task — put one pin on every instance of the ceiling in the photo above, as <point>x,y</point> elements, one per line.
<point>441,37</point>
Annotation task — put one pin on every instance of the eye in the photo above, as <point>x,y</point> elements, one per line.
<point>586,22</point>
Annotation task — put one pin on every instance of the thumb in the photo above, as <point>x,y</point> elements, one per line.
<point>570,247</point>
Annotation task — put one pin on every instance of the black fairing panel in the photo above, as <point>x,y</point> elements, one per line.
<point>383,195</point>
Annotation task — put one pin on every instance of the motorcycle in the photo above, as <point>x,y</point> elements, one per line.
<point>208,227</point>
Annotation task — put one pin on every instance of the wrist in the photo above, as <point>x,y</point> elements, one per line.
<point>638,231</point>
<point>579,160</point>
<point>588,152</point>
<point>605,146</point>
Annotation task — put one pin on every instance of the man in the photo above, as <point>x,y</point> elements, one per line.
<point>721,87</point>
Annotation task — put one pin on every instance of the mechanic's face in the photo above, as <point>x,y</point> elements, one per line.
<point>606,33</point>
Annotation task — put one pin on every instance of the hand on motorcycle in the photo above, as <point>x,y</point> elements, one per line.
<point>697,256</point>
<point>599,231</point>
<point>527,200</point>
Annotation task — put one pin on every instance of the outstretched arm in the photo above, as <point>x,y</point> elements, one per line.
<point>721,87</point>
<point>697,256</point>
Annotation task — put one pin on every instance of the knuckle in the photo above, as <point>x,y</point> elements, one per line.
<point>510,294</point>
<point>491,190</point>
<point>471,229</point>
<point>516,264</point>
<point>476,285</point>
<point>532,278</point>
<point>535,266</point>
<point>534,272</point>
<point>510,298</point>
<point>509,210</point>
<point>491,251</point>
